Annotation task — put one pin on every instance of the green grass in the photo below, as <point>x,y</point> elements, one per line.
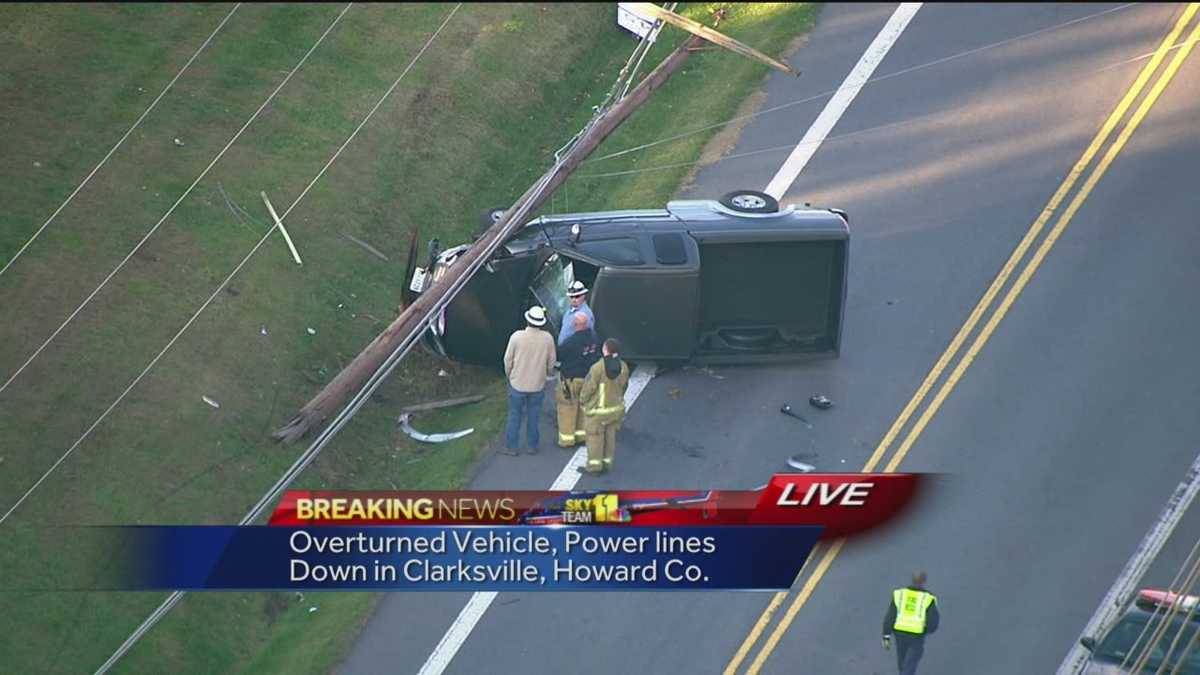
<point>471,126</point>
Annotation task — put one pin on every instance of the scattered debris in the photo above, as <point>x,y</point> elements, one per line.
<point>706,370</point>
<point>238,212</point>
<point>367,247</point>
<point>820,401</point>
<point>429,438</point>
<point>448,403</point>
<point>312,331</point>
<point>282,230</point>
<point>787,410</point>
<point>795,463</point>
<point>211,402</point>
<point>179,143</point>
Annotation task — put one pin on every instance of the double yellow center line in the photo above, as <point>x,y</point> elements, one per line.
<point>827,554</point>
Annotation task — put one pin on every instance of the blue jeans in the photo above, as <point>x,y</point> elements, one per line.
<point>529,405</point>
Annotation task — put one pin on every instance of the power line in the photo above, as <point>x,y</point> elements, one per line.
<point>119,142</point>
<point>1187,562</point>
<point>171,210</point>
<point>860,132</point>
<point>364,394</point>
<point>881,78</point>
<point>197,314</point>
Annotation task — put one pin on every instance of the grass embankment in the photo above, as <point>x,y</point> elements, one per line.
<point>473,123</point>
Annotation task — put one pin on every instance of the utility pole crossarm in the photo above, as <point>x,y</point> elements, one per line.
<point>652,10</point>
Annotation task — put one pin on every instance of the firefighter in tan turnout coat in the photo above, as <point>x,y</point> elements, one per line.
<point>603,402</point>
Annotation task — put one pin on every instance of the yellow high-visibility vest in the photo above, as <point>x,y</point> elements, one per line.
<point>910,609</point>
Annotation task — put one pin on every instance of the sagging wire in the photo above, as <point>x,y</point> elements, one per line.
<point>880,78</point>
<point>1178,575</point>
<point>1169,615</point>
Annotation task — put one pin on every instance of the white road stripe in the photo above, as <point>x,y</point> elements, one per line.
<point>1118,596</point>
<point>470,615</point>
<point>838,103</point>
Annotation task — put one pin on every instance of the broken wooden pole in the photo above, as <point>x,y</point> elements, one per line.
<point>653,11</point>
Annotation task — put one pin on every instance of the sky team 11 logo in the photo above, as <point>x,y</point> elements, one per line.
<point>601,508</point>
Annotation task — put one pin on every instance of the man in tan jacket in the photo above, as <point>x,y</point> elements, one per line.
<point>528,361</point>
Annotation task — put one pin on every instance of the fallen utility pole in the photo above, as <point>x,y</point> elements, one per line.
<point>404,332</point>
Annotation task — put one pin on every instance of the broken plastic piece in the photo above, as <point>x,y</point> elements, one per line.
<point>795,463</point>
<point>429,438</point>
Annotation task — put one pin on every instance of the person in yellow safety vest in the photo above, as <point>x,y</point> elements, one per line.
<point>603,401</point>
<point>576,355</point>
<point>911,615</point>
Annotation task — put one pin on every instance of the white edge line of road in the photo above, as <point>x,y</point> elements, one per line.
<point>475,608</point>
<point>470,615</point>
<point>837,104</point>
<point>1135,569</point>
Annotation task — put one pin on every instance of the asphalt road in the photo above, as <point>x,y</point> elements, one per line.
<point>1057,448</point>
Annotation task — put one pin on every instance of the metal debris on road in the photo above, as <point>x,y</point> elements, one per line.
<point>820,401</point>
<point>795,463</point>
<point>429,438</point>
<point>706,370</point>
<point>211,402</point>
<point>787,410</point>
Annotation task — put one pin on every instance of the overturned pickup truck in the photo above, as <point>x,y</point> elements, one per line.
<point>738,280</point>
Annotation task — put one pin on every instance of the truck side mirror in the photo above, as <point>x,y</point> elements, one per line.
<point>1089,643</point>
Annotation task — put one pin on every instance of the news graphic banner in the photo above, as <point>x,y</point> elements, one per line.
<point>522,540</point>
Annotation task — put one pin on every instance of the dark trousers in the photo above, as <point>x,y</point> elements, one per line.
<point>909,649</point>
<point>528,406</point>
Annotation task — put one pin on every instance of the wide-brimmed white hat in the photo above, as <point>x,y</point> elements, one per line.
<point>536,316</point>
<point>576,289</point>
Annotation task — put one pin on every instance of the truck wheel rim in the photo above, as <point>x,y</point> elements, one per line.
<point>748,202</point>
